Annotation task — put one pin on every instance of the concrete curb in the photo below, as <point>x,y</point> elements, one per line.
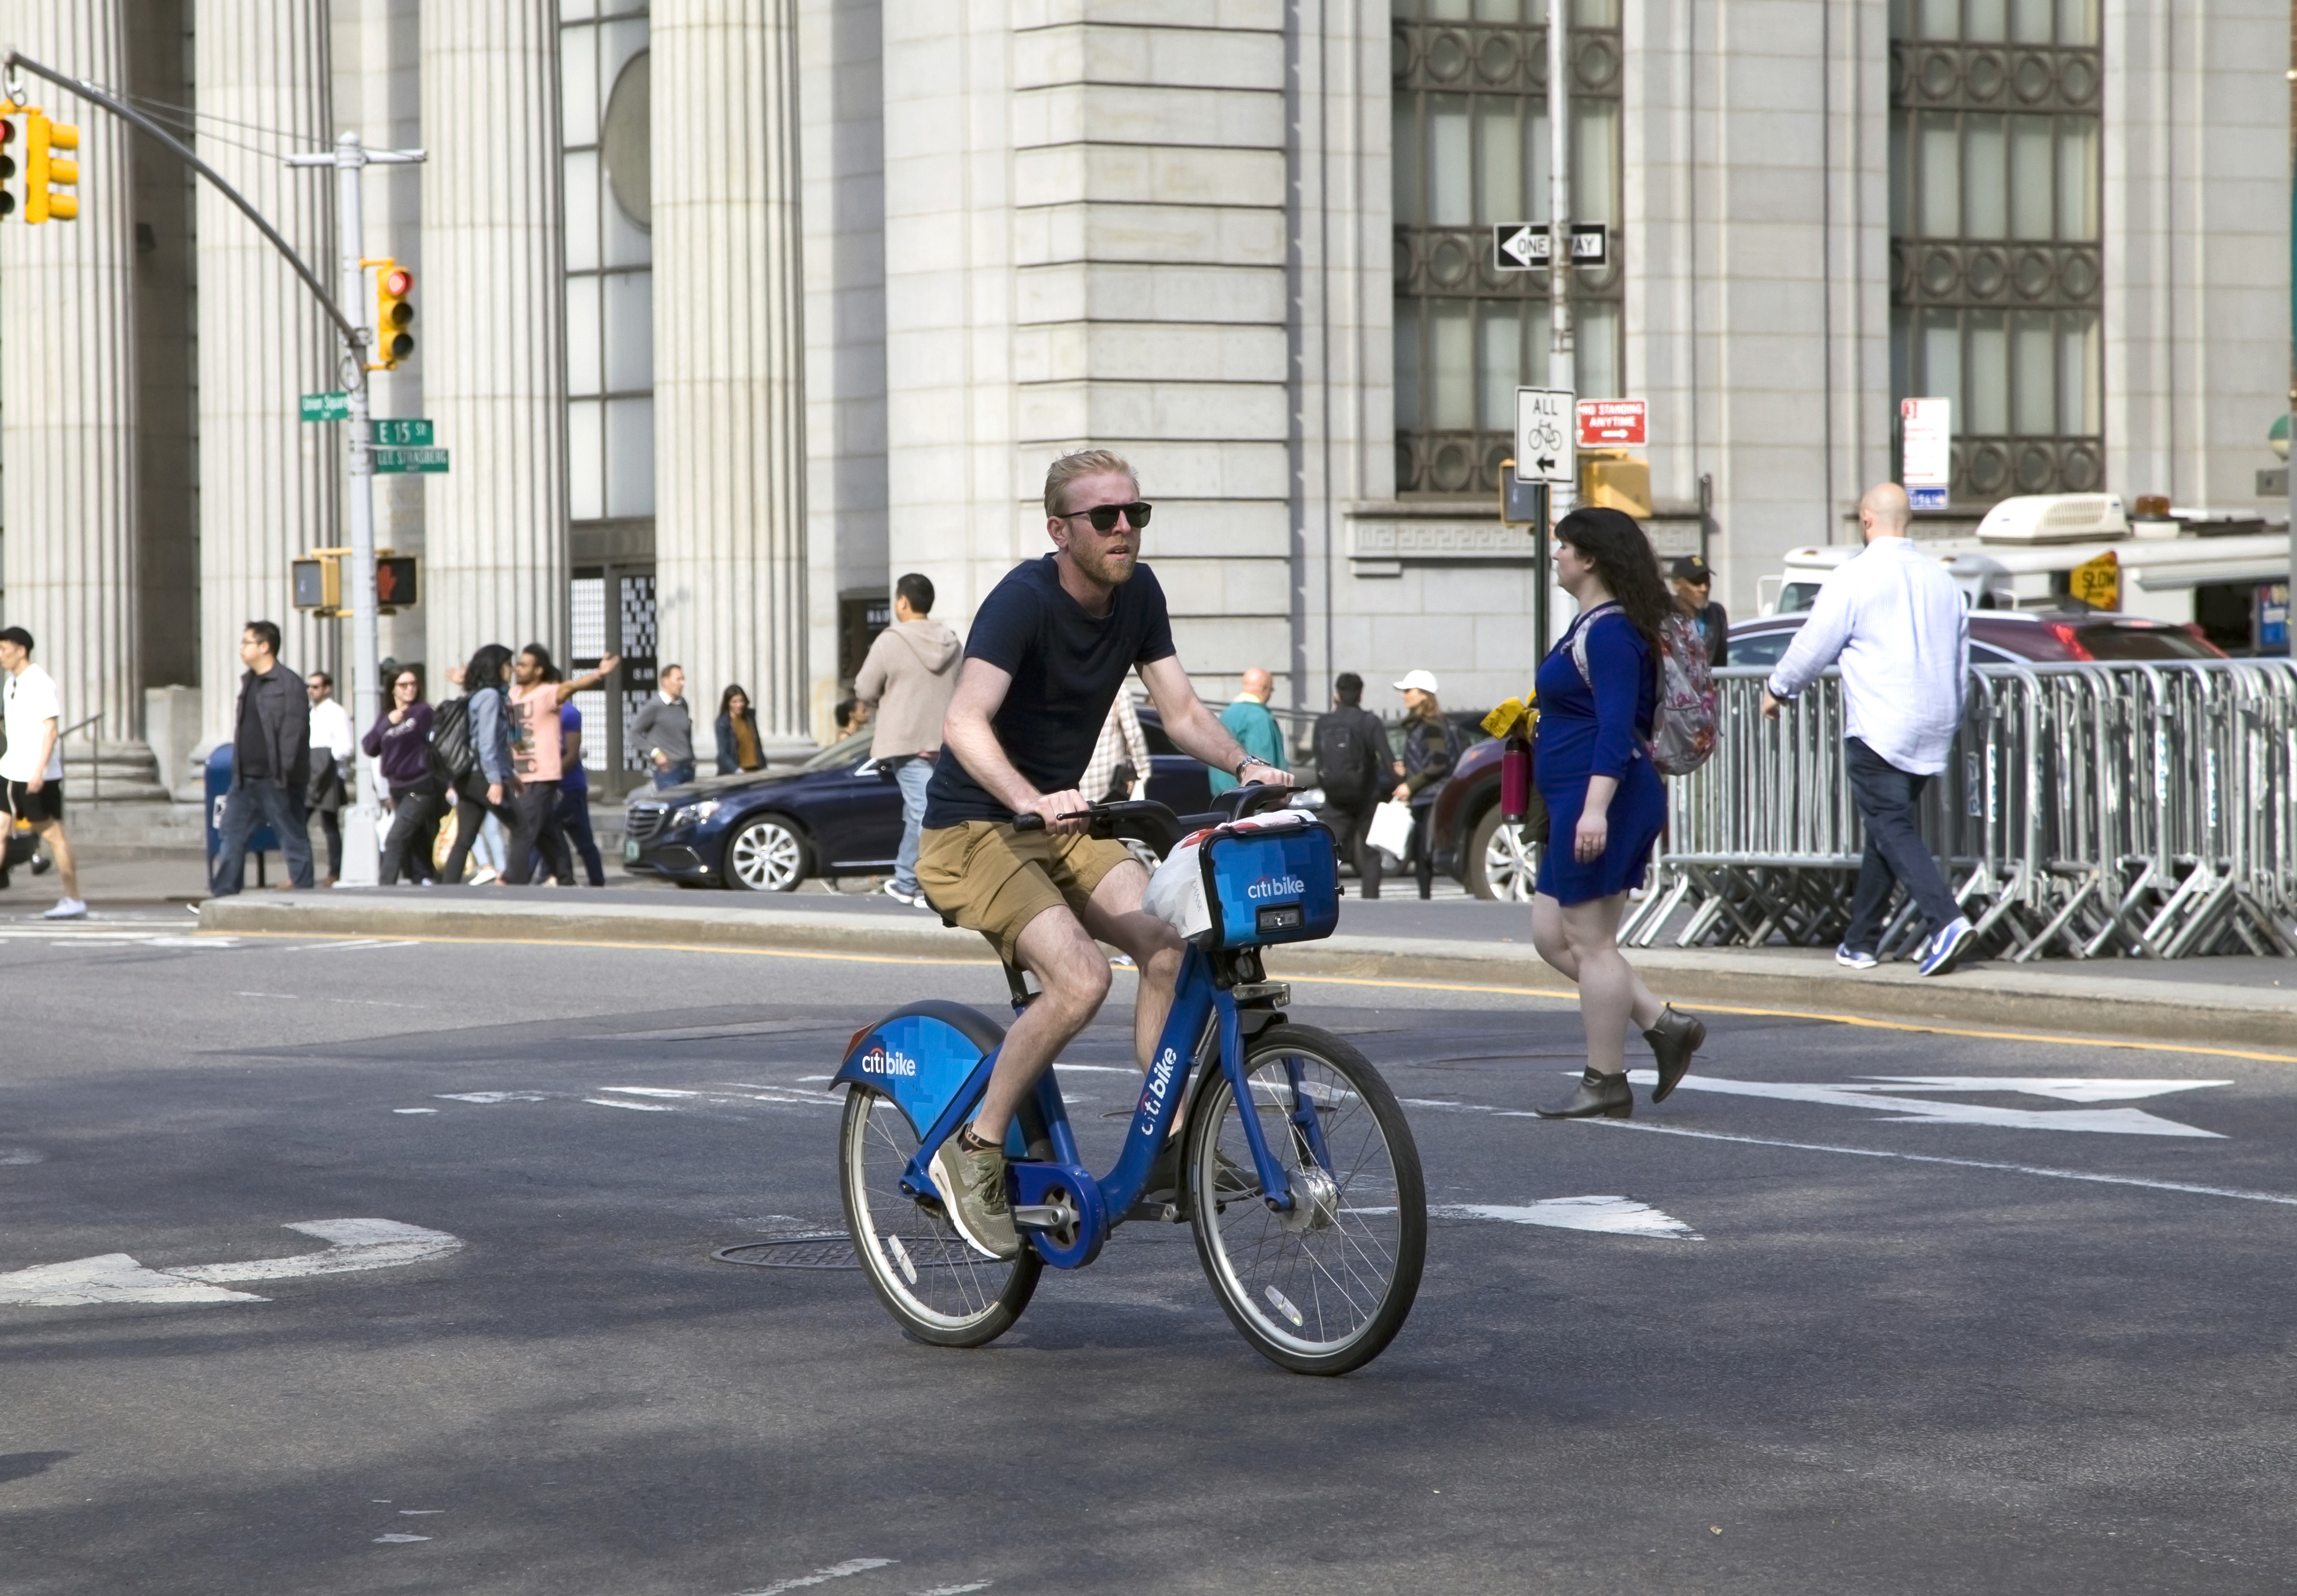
<point>1799,980</point>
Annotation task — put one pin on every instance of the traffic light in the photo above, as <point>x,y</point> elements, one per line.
<point>49,179</point>
<point>317,581</point>
<point>396,582</point>
<point>7,165</point>
<point>394,315</point>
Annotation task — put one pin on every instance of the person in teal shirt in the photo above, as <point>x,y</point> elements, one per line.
<point>1250,721</point>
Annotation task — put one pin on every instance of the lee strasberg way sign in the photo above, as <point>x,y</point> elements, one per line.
<point>391,461</point>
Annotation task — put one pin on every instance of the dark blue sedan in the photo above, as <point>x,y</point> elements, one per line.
<point>837,814</point>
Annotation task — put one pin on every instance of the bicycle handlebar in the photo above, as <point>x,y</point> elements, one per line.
<point>1166,828</point>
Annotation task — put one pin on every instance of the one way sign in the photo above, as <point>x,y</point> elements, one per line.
<point>1518,246</point>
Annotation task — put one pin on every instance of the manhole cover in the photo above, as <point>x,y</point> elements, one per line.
<point>792,1252</point>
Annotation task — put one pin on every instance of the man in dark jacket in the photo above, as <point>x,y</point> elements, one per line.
<point>271,764</point>
<point>1693,582</point>
<point>1351,756</point>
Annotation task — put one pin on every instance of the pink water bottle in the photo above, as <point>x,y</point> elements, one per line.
<point>1515,780</point>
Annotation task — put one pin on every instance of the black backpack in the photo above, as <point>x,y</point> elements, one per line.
<point>452,758</point>
<point>1345,763</point>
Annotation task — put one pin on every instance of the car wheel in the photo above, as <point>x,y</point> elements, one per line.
<point>766,855</point>
<point>1502,860</point>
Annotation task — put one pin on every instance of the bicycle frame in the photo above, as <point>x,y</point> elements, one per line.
<point>1075,1211</point>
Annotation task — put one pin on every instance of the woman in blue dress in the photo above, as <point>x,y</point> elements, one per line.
<point>1597,694</point>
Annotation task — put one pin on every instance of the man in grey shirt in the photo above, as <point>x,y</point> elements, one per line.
<point>664,731</point>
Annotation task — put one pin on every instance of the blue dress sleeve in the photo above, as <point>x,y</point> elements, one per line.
<point>1618,665</point>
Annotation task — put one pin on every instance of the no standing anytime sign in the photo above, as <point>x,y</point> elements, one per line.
<point>1612,424</point>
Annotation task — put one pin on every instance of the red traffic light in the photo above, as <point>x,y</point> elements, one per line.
<point>399,283</point>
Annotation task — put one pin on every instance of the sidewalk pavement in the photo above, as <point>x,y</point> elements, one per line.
<point>2221,1002</point>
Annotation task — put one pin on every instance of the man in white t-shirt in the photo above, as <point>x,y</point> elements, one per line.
<point>33,768</point>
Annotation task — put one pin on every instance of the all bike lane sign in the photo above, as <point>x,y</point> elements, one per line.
<point>1546,435</point>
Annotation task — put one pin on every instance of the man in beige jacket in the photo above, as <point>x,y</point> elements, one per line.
<point>905,683</point>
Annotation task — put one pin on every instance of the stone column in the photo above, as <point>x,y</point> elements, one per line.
<point>270,485</point>
<point>67,368</point>
<point>729,347</point>
<point>492,314</point>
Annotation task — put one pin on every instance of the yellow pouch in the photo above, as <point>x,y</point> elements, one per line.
<point>1515,717</point>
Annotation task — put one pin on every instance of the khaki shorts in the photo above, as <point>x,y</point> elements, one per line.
<point>992,879</point>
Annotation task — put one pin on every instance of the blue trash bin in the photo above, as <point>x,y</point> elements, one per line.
<point>263,840</point>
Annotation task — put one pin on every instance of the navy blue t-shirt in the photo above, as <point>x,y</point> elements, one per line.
<point>1066,668</point>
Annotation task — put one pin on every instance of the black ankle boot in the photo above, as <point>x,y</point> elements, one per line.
<point>1609,1096</point>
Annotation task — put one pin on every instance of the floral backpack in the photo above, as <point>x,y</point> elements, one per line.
<point>1682,726</point>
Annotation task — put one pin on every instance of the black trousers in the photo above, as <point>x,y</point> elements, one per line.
<point>534,831</point>
<point>471,811</point>
<point>1895,850</point>
<point>415,812</point>
<point>574,825</point>
<point>1349,826</point>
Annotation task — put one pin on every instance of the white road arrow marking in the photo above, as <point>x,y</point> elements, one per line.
<point>1612,1215</point>
<point>2066,1089</point>
<point>822,1576</point>
<point>2116,1121</point>
<point>359,1244</point>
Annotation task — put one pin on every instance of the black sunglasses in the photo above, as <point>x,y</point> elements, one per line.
<point>1104,516</point>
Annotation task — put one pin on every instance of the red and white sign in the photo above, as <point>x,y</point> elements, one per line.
<point>1613,423</point>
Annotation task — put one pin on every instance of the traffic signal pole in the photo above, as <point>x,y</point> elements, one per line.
<point>363,836</point>
<point>350,159</point>
<point>1561,355</point>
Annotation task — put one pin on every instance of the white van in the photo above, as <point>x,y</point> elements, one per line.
<point>2226,573</point>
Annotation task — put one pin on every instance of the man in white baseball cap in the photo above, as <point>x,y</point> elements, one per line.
<point>1432,746</point>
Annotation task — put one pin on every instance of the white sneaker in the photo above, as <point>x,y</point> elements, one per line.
<point>482,877</point>
<point>914,900</point>
<point>67,909</point>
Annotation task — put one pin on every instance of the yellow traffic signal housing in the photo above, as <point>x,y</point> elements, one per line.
<point>394,316</point>
<point>317,581</point>
<point>49,179</point>
<point>7,166</point>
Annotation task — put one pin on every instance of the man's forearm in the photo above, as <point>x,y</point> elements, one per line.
<point>1198,734</point>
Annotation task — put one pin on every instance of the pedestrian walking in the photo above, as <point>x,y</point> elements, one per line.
<point>1694,586</point>
<point>1598,691</point>
<point>399,742</point>
<point>32,713</point>
<point>1897,621</point>
<point>1119,767</point>
<point>663,730</point>
<point>481,794</point>
<point>738,749</point>
<point>851,715</point>
<point>904,685</point>
<point>574,793</point>
<point>331,765</point>
<point>1352,756</point>
<point>1252,724</point>
<point>1432,746</point>
<point>536,695</point>
<point>270,764</point>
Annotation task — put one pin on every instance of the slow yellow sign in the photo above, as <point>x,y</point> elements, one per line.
<point>2097,582</point>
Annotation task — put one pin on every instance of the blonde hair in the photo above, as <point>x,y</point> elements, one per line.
<point>1084,462</point>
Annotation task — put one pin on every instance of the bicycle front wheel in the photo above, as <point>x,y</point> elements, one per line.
<point>1324,1288</point>
<point>933,1283</point>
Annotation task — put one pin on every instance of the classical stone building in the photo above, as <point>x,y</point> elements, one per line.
<point>712,376</point>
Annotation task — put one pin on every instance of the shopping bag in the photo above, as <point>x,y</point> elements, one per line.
<point>1391,828</point>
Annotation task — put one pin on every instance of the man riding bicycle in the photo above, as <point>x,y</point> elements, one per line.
<point>1049,652</point>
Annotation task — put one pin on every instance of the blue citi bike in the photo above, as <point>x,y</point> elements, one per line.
<point>1293,1163</point>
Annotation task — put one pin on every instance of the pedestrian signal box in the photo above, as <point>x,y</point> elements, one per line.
<point>398,580</point>
<point>7,166</point>
<point>317,580</point>
<point>50,180</point>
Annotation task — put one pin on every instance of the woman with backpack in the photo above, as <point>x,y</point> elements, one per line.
<point>469,744</point>
<point>1598,694</point>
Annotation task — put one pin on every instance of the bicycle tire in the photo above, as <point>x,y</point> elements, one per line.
<point>938,1289</point>
<point>1325,1290</point>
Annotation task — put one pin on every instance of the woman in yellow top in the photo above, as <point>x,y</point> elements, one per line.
<point>737,734</point>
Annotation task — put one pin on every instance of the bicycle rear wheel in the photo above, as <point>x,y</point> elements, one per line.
<point>1325,1289</point>
<point>937,1288</point>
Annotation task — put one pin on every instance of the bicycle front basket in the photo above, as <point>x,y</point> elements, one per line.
<point>1270,878</point>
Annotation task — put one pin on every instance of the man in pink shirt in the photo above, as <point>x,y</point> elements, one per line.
<point>536,761</point>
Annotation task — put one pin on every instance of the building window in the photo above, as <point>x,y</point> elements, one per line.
<point>1470,151</point>
<point>1997,274</point>
<point>604,67</point>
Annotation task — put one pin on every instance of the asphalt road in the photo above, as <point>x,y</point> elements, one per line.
<point>1942,1366</point>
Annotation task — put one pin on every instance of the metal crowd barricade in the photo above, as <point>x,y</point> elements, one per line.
<point>2144,808</point>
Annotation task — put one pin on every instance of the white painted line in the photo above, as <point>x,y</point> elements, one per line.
<point>822,1576</point>
<point>641,1108</point>
<point>1100,1069</point>
<point>397,1540</point>
<point>2116,1121</point>
<point>415,1111</point>
<point>110,1278</point>
<point>419,1512</point>
<point>493,1097</point>
<point>323,997</point>
<point>650,1092</point>
<point>978,1585</point>
<point>359,1244</point>
<point>2066,1089</point>
<point>2016,1169</point>
<point>1612,1215</point>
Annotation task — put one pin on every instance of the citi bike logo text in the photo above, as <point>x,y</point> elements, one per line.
<point>1276,886</point>
<point>877,1061</point>
<point>1160,1082</point>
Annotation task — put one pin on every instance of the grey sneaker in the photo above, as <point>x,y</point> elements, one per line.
<point>1854,959</point>
<point>972,1185</point>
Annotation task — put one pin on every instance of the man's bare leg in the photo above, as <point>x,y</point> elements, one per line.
<point>1115,917</point>
<point>1074,975</point>
<point>60,850</point>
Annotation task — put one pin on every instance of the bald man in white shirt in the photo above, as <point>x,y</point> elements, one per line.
<point>1897,621</point>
